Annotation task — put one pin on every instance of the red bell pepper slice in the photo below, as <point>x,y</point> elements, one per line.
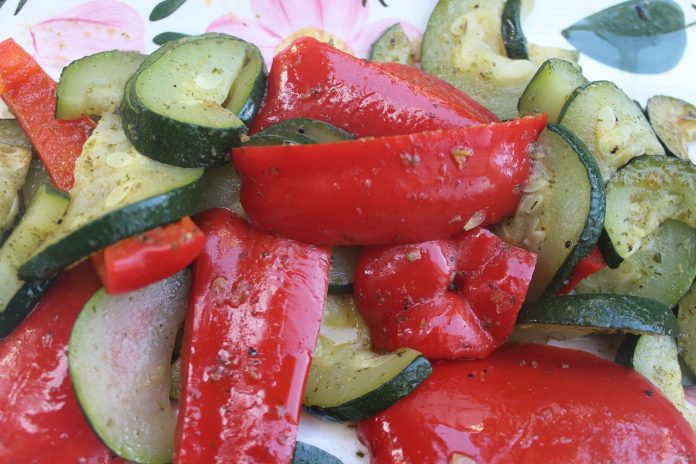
<point>455,298</point>
<point>311,79</point>
<point>256,308</point>
<point>531,404</point>
<point>30,94</point>
<point>398,189</point>
<point>594,262</point>
<point>146,258</point>
<point>40,418</point>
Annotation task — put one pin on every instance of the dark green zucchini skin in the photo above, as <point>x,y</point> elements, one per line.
<point>21,305</point>
<point>313,130</point>
<point>511,29</point>
<point>602,313</point>
<point>308,454</point>
<point>112,227</point>
<point>377,400</point>
<point>251,106</point>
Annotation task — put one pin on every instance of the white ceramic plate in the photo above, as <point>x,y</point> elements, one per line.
<point>57,32</point>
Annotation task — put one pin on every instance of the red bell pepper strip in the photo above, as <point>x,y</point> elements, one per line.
<point>30,94</point>
<point>146,258</point>
<point>256,308</point>
<point>594,262</point>
<point>455,298</point>
<point>311,79</point>
<point>40,419</point>
<point>398,189</point>
<point>531,404</point>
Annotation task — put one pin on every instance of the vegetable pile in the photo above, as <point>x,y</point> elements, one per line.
<point>198,250</point>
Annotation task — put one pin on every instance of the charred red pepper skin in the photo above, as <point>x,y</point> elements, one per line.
<point>30,94</point>
<point>252,324</point>
<point>594,262</point>
<point>398,189</point>
<point>535,404</point>
<point>146,258</point>
<point>311,79</point>
<point>453,299</point>
<point>40,418</point>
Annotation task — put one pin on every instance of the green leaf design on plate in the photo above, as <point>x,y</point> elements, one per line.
<point>20,5</point>
<point>639,36</point>
<point>165,8</point>
<point>165,37</point>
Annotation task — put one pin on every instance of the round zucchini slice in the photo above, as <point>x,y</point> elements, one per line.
<point>598,313</point>
<point>347,380</point>
<point>674,121</point>
<point>640,197</point>
<point>119,357</point>
<point>188,102</point>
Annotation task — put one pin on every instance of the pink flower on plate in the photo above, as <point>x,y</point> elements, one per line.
<point>89,28</point>
<point>278,22</point>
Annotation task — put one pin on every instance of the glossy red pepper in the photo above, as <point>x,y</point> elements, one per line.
<point>30,94</point>
<point>256,308</point>
<point>531,404</point>
<point>40,419</point>
<point>311,79</point>
<point>594,262</point>
<point>398,189</point>
<point>146,258</point>
<point>453,299</point>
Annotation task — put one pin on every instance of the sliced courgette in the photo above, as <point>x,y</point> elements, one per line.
<point>15,158</point>
<point>561,212</point>
<point>662,269</point>
<point>36,177</point>
<point>511,29</point>
<point>311,130</point>
<point>308,454</point>
<point>17,298</point>
<point>347,380</point>
<point>656,357</point>
<point>601,313</point>
<point>117,193</point>
<point>550,88</point>
<point>687,325</point>
<point>187,103</point>
<point>674,121</point>
<point>221,189</point>
<point>611,125</point>
<point>343,262</point>
<point>94,84</point>
<point>640,197</point>
<point>393,46</point>
<point>119,357</point>
<point>539,54</point>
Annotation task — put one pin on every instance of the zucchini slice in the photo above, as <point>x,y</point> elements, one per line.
<point>117,193</point>
<point>463,45</point>
<point>17,298</point>
<point>612,126</point>
<point>311,130</point>
<point>561,212</point>
<point>119,356</point>
<point>662,269</point>
<point>36,177</point>
<point>187,103</point>
<point>601,313</point>
<point>674,121</point>
<point>221,189</point>
<point>550,88</point>
<point>687,325</point>
<point>343,262</point>
<point>347,380</point>
<point>94,84</point>
<point>15,158</point>
<point>308,454</point>
<point>393,46</point>
<point>656,357</point>
<point>640,197</point>
<point>511,29</point>
<point>539,54</point>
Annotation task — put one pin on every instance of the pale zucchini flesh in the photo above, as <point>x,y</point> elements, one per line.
<point>674,121</point>
<point>15,158</point>
<point>393,46</point>
<point>687,326</point>
<point>120,365</point>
